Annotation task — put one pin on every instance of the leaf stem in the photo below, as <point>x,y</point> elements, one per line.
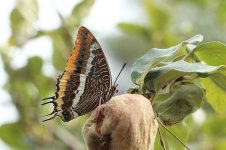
<point>159,121</point>
<point>153,98</point>
<point>161,139</point>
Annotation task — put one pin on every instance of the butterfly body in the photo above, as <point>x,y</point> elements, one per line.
<point>86,81</point>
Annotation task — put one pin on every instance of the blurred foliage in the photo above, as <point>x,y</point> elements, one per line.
<point>180,130</point>
<point>28,85</point>
<point>168,22</point>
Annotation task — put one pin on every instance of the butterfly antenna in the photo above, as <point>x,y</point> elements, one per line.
<point>120,72</point>
<point>160,122</point>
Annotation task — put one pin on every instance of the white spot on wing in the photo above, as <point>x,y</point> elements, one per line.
<point>80,90</point>
<point>75,114</point>
<point>89,65</point>
<point>95,45</point>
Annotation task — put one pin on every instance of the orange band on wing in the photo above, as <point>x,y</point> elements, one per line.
<point>60,102</point>
<point>61,94</point>
<point>70,69</point>
<point>65,76</point>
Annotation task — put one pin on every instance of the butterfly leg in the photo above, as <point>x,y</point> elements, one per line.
<point>101,100</point>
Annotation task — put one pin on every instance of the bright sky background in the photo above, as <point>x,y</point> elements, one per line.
<point>100,19</point>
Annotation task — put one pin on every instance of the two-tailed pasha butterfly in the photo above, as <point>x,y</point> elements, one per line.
<point>86,81</point>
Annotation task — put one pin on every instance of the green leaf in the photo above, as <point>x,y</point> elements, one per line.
<point>59,61</point>
<point>215,95</point>
<point>161,76</point>
<point>34,65</point>
<point>219,79</point>
<point>13,135</point>
<point>80,11</point>
<point>184,100</point>
<point>135,29</point>
<point>159,16</point>
<point>180,130</point>
<point>214,132</point>
<point>154,56</point>
<point>212,53</point>
<point>61,48</point>
<point>221,14</point>
<point>190,48</point>
<point>18,26</point>
<point>214,124</point>
<point>133,90</point>
<point>22,20</point>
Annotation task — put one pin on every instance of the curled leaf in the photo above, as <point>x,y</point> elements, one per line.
<point>184,100</point>
<point>160,76</point>
<point>154,56</point>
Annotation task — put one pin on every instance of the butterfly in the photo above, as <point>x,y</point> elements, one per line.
<point>86,81</point>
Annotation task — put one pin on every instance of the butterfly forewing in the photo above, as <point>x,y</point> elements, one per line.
<point>86,80</point>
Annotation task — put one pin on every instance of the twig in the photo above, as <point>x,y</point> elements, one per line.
<point>161,139</point>
<point>159,121</point>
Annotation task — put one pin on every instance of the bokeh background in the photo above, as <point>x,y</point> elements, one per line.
<point>37,36</point>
